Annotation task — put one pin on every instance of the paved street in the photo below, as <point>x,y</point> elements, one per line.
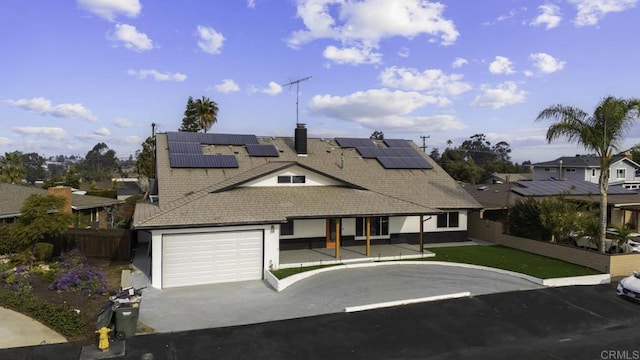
<point>577,322</point>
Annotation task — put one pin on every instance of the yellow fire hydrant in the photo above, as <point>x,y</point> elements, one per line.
<point>103,343</point>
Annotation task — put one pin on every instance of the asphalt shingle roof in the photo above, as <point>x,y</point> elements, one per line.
<point>211,196</point>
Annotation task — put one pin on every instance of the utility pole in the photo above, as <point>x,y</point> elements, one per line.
<point>297,84</point>
<point>424,145</point>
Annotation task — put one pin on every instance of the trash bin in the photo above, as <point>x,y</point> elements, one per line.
<point>126,316</point>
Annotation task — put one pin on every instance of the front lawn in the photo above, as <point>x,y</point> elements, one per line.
<point>510,259</point>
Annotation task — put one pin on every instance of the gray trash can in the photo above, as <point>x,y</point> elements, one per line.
<point>126,316</point>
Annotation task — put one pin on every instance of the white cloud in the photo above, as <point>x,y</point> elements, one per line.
<point>43,106</point>
<point>359,26</point>
<point>404,52</point>
<point>131,38</point>
<point>549,16</point>
<point>227,86</point>
<point>103,131</point>
<point>351,55</point>
<point>122,123</point>
<point>157,76</point>
<point>546,63</point>
<point>433,81</point>
<point>273,88</point>
<point>372,104</point>
<point>5,141</point>
<point>108,9</point>
<point>54,133</point>
<point>503,94</point>
<point>459,62</point>
<point>251,4</point>
<point>502,18</point>
<point>592,11</point>
<point>126,140</point>
<point>209,40</point>
<point>501,65</point>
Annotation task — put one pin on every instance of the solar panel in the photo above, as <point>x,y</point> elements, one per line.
<point>370,152</point>
<point>202,161</point>
<point>354,142</point>
<point>232,139</point>
<point>391,162</point>
<point>397,143</point>
<point>183,136</point>
<point>556,187</point>
<point>176,147</point>
<point>262,150</point>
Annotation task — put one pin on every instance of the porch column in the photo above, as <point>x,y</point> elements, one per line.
<point>337,238</point>
<point>420,235</point>
<point>368,231</point>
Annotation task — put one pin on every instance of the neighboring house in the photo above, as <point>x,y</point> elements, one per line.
<point>503,178</point>
<point>623,205</point>
<point>126,188</point>
<point>622,171</point>
<point>227,205</point>
<point>91,210</point>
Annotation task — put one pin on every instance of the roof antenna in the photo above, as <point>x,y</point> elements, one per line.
<point>297,84</point>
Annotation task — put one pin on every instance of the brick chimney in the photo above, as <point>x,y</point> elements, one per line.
<point>63,192</point>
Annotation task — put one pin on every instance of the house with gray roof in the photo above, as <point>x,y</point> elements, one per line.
<point>623,171</point>
<point>227,205</point>
<point>91,211</point>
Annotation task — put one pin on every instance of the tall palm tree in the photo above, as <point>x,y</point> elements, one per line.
<point>206,112</point>
<point>600,132</point>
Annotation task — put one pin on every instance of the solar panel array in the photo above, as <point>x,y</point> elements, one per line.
<point>262,150</point>
<point>354,142</point>
<point>399,154</point>
<point>557,187</point>
<point>185,149</point>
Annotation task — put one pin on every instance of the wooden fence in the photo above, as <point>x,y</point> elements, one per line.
<point>113,244</point>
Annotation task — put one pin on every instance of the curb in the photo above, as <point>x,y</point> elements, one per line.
<point>406,302</point>
<point>280,285</point>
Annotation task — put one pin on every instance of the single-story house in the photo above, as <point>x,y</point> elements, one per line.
<point>226,205</point>
<point>92,210</point>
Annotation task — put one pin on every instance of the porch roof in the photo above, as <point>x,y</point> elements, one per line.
<point>253,205</point>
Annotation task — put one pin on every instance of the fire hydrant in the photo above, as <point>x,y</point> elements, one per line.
<point>103,343</point>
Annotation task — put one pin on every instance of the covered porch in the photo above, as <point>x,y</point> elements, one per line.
<point>350,254</point>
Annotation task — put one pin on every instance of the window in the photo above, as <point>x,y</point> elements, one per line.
<point>284,179</point>
<point>299,179</point>
<point>593,172</point>
<point>286,228</point>
<point>379,226</point>
<point>449,220</point>
<point>550,169</point>
<point>621,173</point>
<point>288,179</point>
<point>571,170</point>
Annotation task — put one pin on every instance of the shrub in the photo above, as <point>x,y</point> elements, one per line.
<point>17,279</point>
<point>61,318</point>
<point>76,275</point>
<point>43,251</point>
<point>73,258</point>
<point>47,272</point>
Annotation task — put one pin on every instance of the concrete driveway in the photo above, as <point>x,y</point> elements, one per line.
<point>220,305</point>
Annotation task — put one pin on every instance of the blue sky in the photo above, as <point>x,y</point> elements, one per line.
<point>75,73</point>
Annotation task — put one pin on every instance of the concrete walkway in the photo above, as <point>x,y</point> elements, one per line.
<point>17,330</point>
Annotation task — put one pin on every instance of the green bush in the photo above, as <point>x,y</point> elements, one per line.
<point>61,318</point>
<point>524,220</point>
<point>43,251</point>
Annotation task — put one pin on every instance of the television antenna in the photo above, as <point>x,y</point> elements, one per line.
<point>297,84</point>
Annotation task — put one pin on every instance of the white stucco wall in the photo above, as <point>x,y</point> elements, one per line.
<point>312,178</point>
<point>271,246</point>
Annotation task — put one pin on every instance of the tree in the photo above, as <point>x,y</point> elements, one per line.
<point>435,154</point>
<point>12,170</point>
<point>145,158</point>
<point>479,149</point>
<point>99,163</point>
<point>377,135</point>
<point>190,121</point>
<point>600,132</point>
<point>34,167</point>
<point>558,216</point>
<point>41,216</point>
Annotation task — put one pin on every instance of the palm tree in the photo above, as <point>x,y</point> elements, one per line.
<point>206,112</point>
<point>12,170</point>
<point>600,132</point>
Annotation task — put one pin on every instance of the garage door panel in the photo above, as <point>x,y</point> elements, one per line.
<point>205,258</point>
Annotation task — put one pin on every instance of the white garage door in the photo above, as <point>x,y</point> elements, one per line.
<point>207,258</point>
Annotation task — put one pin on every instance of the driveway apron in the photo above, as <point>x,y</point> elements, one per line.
<point>220,305</point>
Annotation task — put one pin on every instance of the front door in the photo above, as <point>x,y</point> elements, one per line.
<point>332,225</point>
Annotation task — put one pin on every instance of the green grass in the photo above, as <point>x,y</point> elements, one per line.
<point>283,273</point>
<point>510,259</point>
